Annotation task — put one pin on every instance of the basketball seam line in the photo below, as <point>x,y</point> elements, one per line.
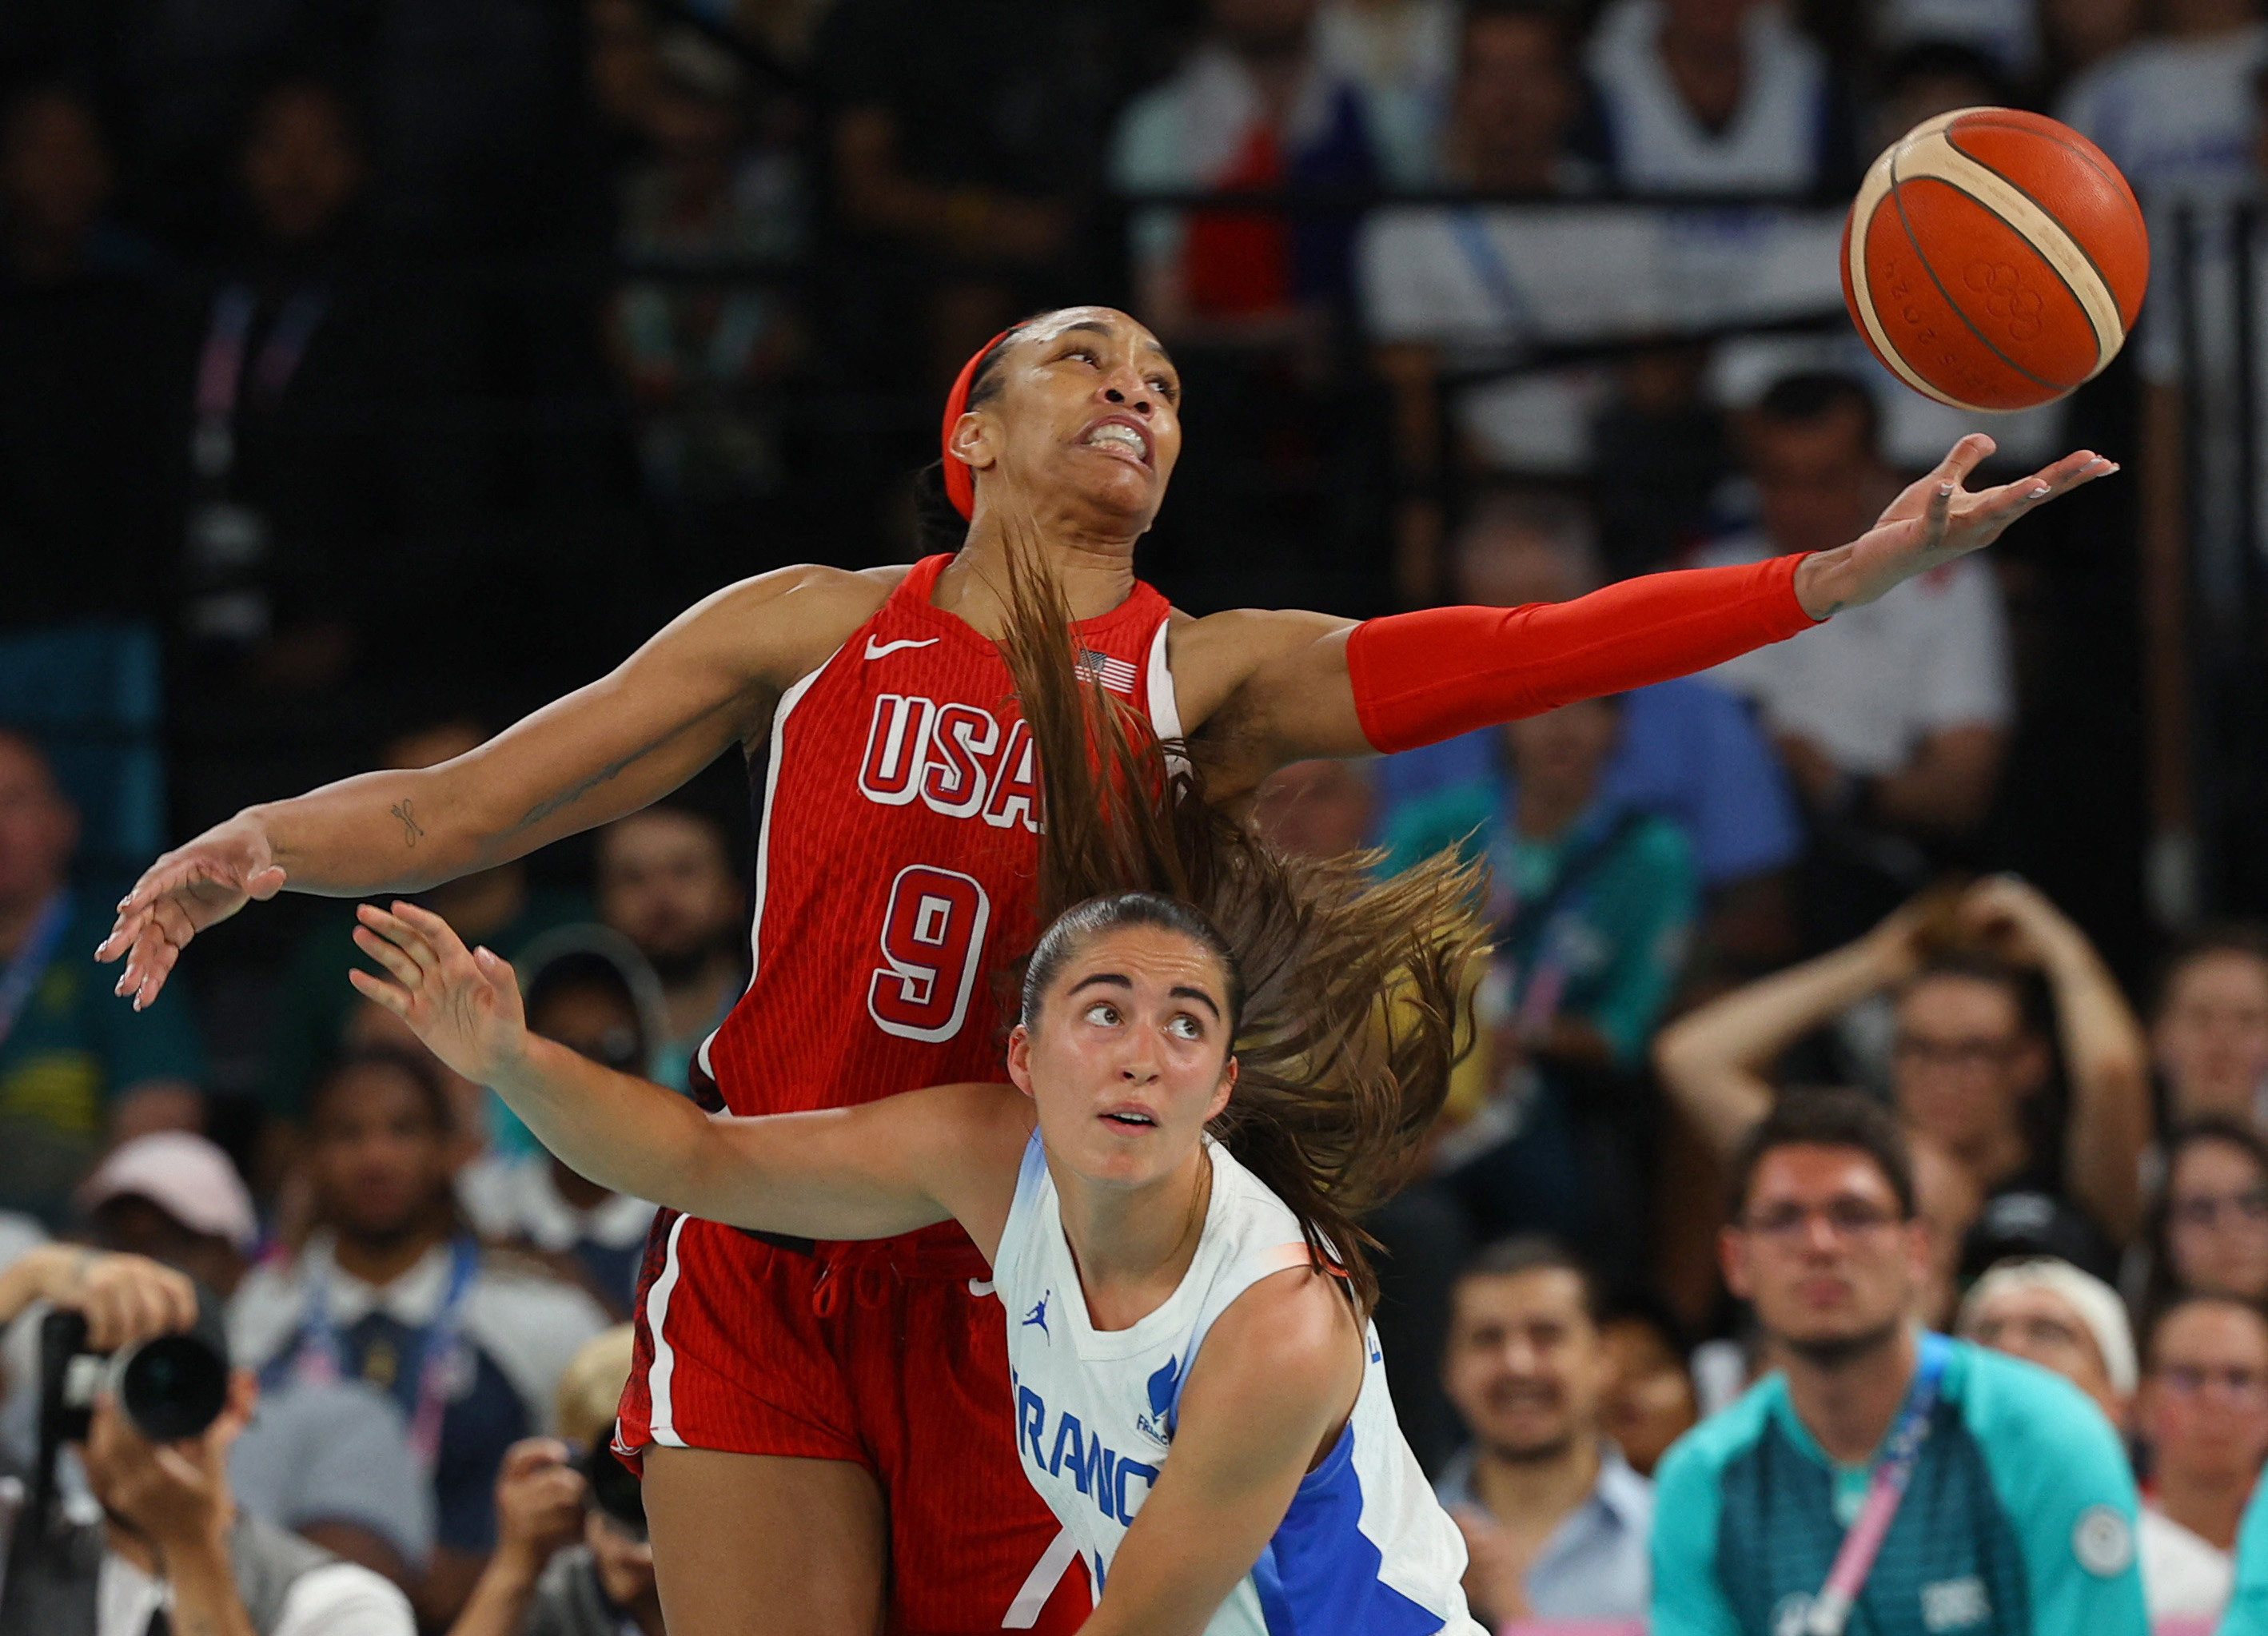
<point>2048,238</point>
<point>1873,331</point>
<point>2080,154</point>
<point>1922,256</point>
<point>2076,240</point>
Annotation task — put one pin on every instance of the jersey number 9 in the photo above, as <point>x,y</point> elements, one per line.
<point>932,945</point>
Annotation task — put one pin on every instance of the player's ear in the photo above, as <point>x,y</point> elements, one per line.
<point>1223,1091</point>
<point>972,441</point>
<point>1019,1058</point>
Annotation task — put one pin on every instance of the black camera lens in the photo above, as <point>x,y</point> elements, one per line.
<point>172,1387</point>
<point>615,1489</point>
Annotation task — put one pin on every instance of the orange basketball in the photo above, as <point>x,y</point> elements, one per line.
<point>1994,260</point>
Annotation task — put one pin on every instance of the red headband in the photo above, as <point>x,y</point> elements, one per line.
<point>960,476</point>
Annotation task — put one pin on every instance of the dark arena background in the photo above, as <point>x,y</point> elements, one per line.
<point>374,371</point>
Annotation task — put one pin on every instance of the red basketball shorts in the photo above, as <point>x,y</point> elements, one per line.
<point>884,1355</point>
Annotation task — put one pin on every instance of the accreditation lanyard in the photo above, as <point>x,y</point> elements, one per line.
<point>322,1352</point>
<point>221,368</point>
<point>1830,1610</point>
<point>22,974</point>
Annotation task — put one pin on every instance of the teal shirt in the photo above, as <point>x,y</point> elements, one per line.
<point>2248,1605</point>
<point>1620,941</point>
<point>2019,1520</point>
<point>75,1047</point>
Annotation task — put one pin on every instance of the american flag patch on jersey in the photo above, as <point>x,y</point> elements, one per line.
<point>1115,674</point>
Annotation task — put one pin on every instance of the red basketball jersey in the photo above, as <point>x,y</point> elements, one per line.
<point>896,854</point>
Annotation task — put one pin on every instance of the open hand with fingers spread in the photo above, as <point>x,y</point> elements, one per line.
<point>464,1004</point>
<point>1938,518</point>
<point>190,888</point>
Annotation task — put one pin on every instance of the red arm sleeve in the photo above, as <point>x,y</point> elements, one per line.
<point>1421,677</point>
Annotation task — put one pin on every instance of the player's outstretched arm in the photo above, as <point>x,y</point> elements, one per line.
<point>871,1171</point>
<point>709,678</point>
<point>1277,1377</point>
<point>1271,688</point>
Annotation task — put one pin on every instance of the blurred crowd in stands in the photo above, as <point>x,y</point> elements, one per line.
<point>370,374</point>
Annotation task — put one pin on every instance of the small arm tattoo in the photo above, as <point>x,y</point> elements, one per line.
<point>412,831</point>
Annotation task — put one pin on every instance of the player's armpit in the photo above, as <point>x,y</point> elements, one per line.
<point>1269,1392</point>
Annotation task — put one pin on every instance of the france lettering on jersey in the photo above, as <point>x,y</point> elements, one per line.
<point>1365,1550</point>
<point>896,851</point>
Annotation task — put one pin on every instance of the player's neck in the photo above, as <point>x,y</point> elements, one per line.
<point>1531,1494</point>
<point>2210,1505</point>
<point>1095,573</point>
<point>1133,1246</point>
<point>1848,1402</point>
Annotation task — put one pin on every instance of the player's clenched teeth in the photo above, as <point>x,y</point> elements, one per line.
<point>1118,435</point>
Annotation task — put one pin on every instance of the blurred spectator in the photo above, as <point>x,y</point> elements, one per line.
<point>392,1290</point>
<point>584,992</point>
<point>2209,1036</point>
<point>2175,112</point>
<point>1402,55</point>
<point>1254,106</point>
<point>1436,282</point>
<point>56,186</point>
<point>1718,96</point>
<point>967,136</point>
<point>542,1580</point>
<point>2079,33</point>
<point>1554,1518</point>
<point>1948,1202</point>
<point>82,424</point>
<point>665,881</point>
<point>624,74</point>
<point>1594,902</point>
<point>1650,1401</point>
<point>1929,78</point>
<point>697,356</point>
<point>166,1545</point>
<point>1315,809</point>
<point>1969,1060</point>
<point>2203,1416</point>
<point>1686,751</point>
<point>2063,1319</point>
<point>499,906</point>
<point>2003,34</point>
<point>293,450</point>
<point>1518,103</point>
<point>77,1067</point>
<point>2208,1234</point>
<point>329,1460</point>
<point>1751,1507</point>
<point>1893,718</point>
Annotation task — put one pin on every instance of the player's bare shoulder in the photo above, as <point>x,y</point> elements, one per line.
<point>778,627</point>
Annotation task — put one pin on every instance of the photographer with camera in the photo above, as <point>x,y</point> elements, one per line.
<point>571,1557</point>
<point>135,1374</point>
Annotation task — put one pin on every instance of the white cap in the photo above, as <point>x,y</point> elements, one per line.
<point>2097,1304</point>
<point>183,1175</point>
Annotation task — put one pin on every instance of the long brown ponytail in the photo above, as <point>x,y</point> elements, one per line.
<point>1349,983</point>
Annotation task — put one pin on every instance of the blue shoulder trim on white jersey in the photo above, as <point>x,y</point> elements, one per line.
<point>1319,1575</point>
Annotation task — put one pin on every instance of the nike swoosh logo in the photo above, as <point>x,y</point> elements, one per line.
<point>877,650</point>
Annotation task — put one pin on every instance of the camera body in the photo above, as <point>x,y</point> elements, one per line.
<point>171,1387</point>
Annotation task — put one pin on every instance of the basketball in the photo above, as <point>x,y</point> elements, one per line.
<point>1994,260</point>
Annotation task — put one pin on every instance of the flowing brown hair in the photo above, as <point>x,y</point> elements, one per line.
<point>1349,984</point>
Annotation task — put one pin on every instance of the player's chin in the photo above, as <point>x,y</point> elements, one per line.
<point>1128,490</point>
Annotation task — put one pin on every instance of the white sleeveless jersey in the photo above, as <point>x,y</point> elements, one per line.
<point>1365,1548</point>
